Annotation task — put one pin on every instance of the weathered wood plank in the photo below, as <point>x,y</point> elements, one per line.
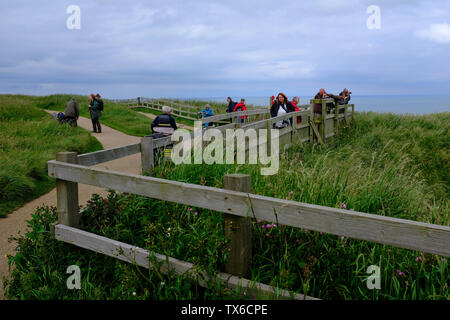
<point>135,255</point>
<point>234,114</point>
<point>67,194</point>
<point>238,230</point>
<point>386,230</point>
<point>93,158</point>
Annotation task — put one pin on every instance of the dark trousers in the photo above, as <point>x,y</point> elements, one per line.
<point>72,121</point>
<point>96,125</point>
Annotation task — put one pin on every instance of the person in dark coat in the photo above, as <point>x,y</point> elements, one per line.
<point>281,106</point>
<point>95,114</point>
<point>345,96</point>
<point>72,112</point>
<point>231,105</point>
<point>322,94</point>
<point>164,123</point>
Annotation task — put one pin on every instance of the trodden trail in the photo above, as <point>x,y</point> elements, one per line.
<point>16,224</point>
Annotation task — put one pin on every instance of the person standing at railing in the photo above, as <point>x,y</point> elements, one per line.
<point>231,105</point>
<point>322,94</point>
<point>240,107</point>
<point>295,101</point>
<point>207,112</point>
<point>344,96</point>
<point>95,114</point>
<point>280,107</point>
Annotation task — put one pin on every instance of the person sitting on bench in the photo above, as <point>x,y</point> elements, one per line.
<point>164,123</point>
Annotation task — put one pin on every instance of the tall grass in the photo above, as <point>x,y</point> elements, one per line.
<point>386,164</point>
<point>28,139</point>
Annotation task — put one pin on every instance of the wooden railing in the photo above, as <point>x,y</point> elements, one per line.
<point>178,109</point>
<point>235,201</point>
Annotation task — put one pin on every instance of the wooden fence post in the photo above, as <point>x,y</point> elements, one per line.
<point>67,194</point>
<point>238,230</point>
<point>147,158</point>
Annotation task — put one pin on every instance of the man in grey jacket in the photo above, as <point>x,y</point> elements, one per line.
<point>72,112</point>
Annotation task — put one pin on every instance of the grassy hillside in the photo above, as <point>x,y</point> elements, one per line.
<point>28,139</point>
<point>386,164</point>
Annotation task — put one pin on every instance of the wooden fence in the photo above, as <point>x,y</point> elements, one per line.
<point>178,109</point>
<point>234,201</point>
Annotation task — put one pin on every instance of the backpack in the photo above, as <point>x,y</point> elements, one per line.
<point>100,104</point>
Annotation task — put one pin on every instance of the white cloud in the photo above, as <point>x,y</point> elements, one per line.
<point>439,33</point>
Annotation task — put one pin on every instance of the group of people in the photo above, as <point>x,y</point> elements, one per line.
<point>342,99</point>
<point>72,112</point>
<point>236,107</point>
<point>166,124</point>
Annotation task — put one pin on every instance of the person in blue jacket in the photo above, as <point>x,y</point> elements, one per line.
<point>207,112</point>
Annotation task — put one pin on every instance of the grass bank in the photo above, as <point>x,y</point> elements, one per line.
<point>28,139</point>
<point>386,164</point>
<point>114,115</point>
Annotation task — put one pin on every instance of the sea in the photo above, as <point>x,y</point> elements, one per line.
<point>400,104</point>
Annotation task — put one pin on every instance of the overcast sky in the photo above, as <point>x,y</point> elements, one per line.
<point>224,48</point>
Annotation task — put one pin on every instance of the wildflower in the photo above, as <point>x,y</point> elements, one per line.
<point>400,273</point>
<point>443,260</point>
<point>274,225</point>
<point>342,237</point>
<point>134,293</point>
<point>196,213</point>
<point>190,209</point>
<point>268,226</point>
<point>343,206</point>
<point>291,193</point>
<point>267,235</point>
<point>419,258</point>
<point>263,226</point>
<point>259,220</point>
<point>320,232</point>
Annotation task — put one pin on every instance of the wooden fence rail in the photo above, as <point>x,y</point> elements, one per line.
<point>235,201</point>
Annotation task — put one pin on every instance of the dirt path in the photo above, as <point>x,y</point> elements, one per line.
<point>15,222</point>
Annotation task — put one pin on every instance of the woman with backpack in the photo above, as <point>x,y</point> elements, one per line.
<point>96,113</point>
<point>240,107</point>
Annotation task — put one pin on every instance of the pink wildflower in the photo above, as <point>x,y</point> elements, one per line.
<point>343,206</point>
<point>268,226</point>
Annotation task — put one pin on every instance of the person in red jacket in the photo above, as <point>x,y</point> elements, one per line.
<point>295,101</point>
<point>240,107</point>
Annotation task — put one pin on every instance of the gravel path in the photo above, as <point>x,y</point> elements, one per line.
<point>15,222</point>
